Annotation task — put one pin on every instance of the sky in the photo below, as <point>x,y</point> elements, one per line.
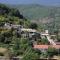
<point>41,2</point>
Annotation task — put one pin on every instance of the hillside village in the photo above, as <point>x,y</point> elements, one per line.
<point>33,35</point>
<point>21,39</point>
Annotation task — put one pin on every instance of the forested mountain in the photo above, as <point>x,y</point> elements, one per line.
<point>47,17</point>
<point>35,11</point>
<point>10,15</point>
<point>9,11</point>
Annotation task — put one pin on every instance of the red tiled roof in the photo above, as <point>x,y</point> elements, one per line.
<point>41,46</point>
<point>46,46</point>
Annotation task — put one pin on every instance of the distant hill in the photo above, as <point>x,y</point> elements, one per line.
<point>35,11</point>
<point>46,16</point>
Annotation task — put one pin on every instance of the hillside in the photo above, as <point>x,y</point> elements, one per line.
<point>9,15</point>
<point>19,35</point>
<point>46,16</point>
<point>35,11</point>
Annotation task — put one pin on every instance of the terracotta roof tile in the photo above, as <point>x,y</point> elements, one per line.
<point>41,46</point>
<point>46,46</point>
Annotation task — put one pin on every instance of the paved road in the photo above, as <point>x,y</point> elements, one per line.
<point>51,40</point>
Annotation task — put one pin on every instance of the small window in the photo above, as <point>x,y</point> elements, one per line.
<point>31,32</point>
<point>1,54</point>
<point>22,32</point>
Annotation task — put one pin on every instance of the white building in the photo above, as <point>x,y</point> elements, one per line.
<point>27,32</point>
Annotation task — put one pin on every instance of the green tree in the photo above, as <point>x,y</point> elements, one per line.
<point>51,52</point>
<point>56,33</point>
<point>6,37</point>
<point>44,41</point>
<point>31,55</point>
<point>33,26</point>
<point>58,39</point>
<point>16,47</point>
